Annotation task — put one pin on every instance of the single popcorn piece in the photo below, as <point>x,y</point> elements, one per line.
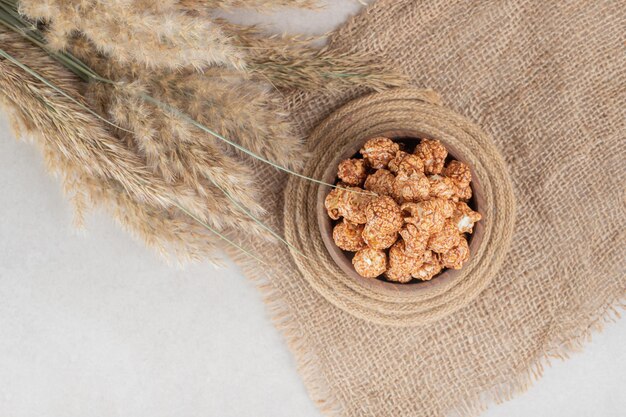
<point>379,151</point>
<point>427,220</point>
<point>441,187</point>
<point>461,177</point>
<point>377,240</point>
<point>411,164</point>
<point>429,268</point>
<point>348,202</point>
<point>459,172</point>
<point>349,236</point>
<point>407,164</point>
<point>370,263</point>
<point>440,205</point>
<point>333,201</point>
<point>395,162</point>
<point>457,256</point>
<point>384,215</point>
<point>415,239</point>
<point>464,217</point>
<point>414,187</point>
<point>445,239</point>
<point>357,201</point>
<point>402,263</point>
<point>380,182</point>
<point>430,215</point>
<point>352,171</point>
<point>462,193</point>
<point>433,154</point>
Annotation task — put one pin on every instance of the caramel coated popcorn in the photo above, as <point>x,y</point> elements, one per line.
<point>457,256</point>
<point>441,187</point>
<point>429,268</point>
<point>414,187</point>
<point>380,182</point>
<point>333,202</point>
<point>370,263</point>
<point>349,236</point>
<point>430,215</point>
<point>411,218</point>
<point>433,154</point>
<point>347,202</point>
<point>383,213</point>
<point>402,263</point>
<point>445,239</point>
<point>465,218</point>
<point>459,173</point>
<point>352,171</point>
<point>376,239</point>
<point>379,151</point>
<point>443,206</point>
<point>414,238</point>
<point>395,162</point>
<point>356,203</point>
<point>462,193</point>
<point>406,164</point>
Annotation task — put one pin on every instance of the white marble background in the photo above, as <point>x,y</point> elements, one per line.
<point>94,324</point>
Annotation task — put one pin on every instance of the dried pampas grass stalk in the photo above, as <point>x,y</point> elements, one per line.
<point>291,62</point>
<point>260,5</point>
<point>153,33</point>
<point>182,105</point>
<point>263,134</point>
<point>97,166</point>
<point>131,111</point>
<point>170,152</point>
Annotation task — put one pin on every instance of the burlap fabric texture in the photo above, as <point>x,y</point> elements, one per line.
<point>545,80</point>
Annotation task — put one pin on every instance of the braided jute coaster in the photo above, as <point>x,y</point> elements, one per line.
<point>402,110</point>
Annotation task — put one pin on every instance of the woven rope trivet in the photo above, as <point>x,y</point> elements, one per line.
<point>402,109</point>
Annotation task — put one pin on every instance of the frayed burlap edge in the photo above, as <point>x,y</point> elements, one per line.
<point>321,393</point>
<point>281,316</point>
<point>523,381</point>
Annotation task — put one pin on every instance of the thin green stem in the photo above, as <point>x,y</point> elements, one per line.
<point>25,68</point>
<point>12,20</point>
<point>78,66</point>
<point>188,119</point>
<point>220,235</point>
<point>256,220</point>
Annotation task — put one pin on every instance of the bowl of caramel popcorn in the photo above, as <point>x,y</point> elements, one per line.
<point>404,210</point>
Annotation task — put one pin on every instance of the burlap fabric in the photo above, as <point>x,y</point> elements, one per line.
<point>418,113</point>
<point>547,81</point>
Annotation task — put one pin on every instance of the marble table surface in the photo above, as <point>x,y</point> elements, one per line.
<point>94,324</point>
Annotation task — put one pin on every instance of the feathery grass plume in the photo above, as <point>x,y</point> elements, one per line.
<point>260,5</point>
<point>162,118</point>
<point>125,91</point>
<point>179,152</point>
<point>95,164</point>
<point>291,62</point>
<point>246,111</point>
<point>182,33</point>
<point>153,33</point>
